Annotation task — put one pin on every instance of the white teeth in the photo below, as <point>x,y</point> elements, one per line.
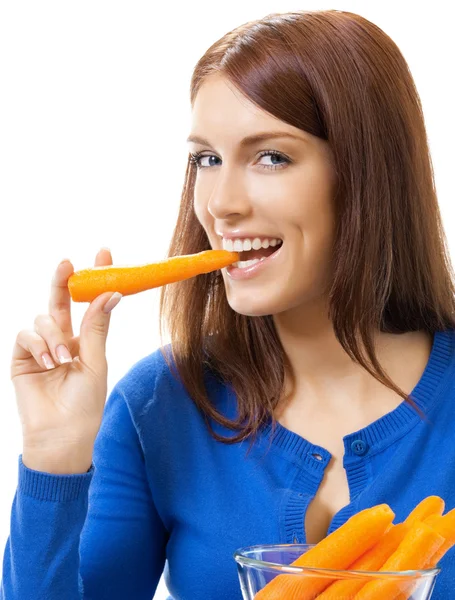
<point>247,244</point>
<point>243,264</point>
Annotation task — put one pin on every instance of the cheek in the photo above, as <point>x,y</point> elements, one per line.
<point>314,234</point>
<point>313,219</point>
<point>200,210</point>
<point>318,214</point>
<point>319,248</point>
<point>324,226</point>
<point>201,196</point>
<point>318,240</point>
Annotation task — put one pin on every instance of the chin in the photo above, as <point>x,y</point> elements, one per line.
<point>254,307</point>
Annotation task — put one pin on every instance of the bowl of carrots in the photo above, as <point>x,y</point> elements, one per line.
<point>260,565</point>
<point>368,558</point>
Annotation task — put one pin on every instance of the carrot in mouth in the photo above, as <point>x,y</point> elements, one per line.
<point>85,285</point>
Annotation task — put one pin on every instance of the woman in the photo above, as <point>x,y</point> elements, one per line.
<point>329,347</point>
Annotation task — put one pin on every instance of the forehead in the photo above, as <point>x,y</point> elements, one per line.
<point>220,107</point>
<point>222,114</point>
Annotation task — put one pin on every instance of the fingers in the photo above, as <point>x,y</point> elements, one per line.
<point>55,341</point>
<point>44,351</point>
<point>95,325</point>
<point>94,331</point>
<point>60,299</point>
<point>103,258</point>
<point>52,342</point>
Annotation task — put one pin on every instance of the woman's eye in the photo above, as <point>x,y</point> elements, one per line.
<point>274,156</point>
<point>272,160</point>
<point>209,163</point>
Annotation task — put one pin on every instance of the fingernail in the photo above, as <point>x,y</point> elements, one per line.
<point>105,248</point>
<point>47,360</point>
<point>63,354</point>
<point>112,302</point>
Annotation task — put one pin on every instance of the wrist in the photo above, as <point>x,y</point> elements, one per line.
<point>66,462</point>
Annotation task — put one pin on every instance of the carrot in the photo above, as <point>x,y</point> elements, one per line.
<point>337,551</point>
<point>431,505</point>
<point>445,526</point>
<point>87,284</point>
<point>372,560</point>
<point>414,552</point>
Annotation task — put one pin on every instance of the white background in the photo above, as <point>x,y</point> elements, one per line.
<point>94,114</point>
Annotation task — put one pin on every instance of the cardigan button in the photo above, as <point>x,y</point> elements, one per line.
<point>359,447</point>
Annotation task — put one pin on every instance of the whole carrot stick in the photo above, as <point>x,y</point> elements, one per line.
<point>337,551</point>
<point>85,285</point>
<point>431,505</point>
<point>372,560</point>
<point>417,547</point>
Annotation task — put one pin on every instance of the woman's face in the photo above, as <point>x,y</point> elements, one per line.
<point>245,196</point>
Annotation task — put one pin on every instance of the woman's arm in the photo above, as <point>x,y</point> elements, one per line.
<point>92,536</point>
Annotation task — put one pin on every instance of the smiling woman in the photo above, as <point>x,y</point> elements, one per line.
<point>308,155</point>
<point>325,149</point>
<point>239,197</point>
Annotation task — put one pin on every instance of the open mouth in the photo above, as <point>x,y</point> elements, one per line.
<point>248,258</point>
<point>259,254</point>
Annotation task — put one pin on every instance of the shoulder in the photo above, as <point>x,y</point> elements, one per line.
<point>143,375</point>
<point>152,389</point>
<point>139,385</point>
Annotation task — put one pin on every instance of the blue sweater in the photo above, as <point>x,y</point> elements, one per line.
<point>163,494</point>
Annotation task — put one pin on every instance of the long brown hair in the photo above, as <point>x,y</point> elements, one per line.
<point>337,76</point>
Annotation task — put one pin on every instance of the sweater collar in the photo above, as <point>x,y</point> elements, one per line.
<point>385,430</point>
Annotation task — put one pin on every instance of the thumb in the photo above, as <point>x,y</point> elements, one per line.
<point>94,330</point>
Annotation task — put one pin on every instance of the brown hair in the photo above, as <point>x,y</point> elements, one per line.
<point>337,76</point>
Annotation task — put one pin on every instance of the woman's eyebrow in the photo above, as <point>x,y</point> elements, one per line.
<point>250,139</point>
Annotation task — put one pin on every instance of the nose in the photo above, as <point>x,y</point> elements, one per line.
<point>229,197</point>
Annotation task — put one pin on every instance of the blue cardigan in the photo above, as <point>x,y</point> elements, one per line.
<point>162,494</point>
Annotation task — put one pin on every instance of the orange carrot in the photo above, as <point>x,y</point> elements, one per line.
<point>87,284</point>
<point>337,551</point>
<point>372,560</point>
<point>445,526</point>
<point>431,505</point>
<point>417,547</point>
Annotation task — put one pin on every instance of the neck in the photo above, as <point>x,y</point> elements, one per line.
<point>324,371</point>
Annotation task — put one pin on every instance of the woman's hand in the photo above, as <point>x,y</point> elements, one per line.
<point>61,408</point>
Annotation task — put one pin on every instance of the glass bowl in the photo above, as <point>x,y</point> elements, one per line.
<point>259,565</point>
